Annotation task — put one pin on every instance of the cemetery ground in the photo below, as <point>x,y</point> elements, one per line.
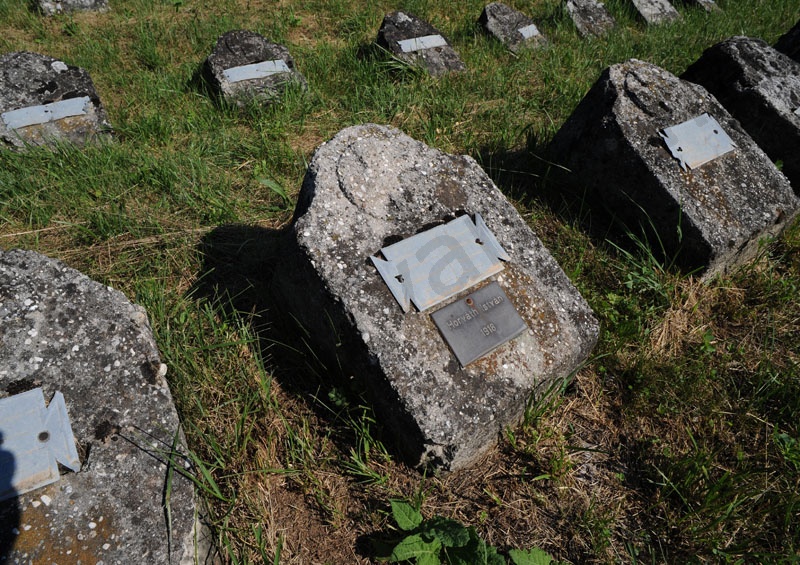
<point>677,442</point>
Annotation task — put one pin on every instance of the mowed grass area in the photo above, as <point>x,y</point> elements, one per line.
<point>678,442</point>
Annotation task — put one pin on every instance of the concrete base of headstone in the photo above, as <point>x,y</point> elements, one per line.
<point>591,18</point>
<point>656,12</point>
<point>710,217</point>
<point>789,42</point>
<point>512,28</point>
<point>370,186</point>
<point>246,68</point>
<point>760,87</point>
<point>53,7</point>
<point>418,43</point>
<point>63,332</point>
<point>35,91</point>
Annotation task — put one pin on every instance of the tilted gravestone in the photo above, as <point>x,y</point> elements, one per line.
<point>411,268</point>
<point>591,18</point>
<point>245,67</point>
<point>656,12</point>
<point>418,43</point>
<point>44,100</point>
<point>760,87</point>
<point>92,351</point>
<point>512,28</point>
<point>662,155</point>
<point>789,42</point>
<point>53,7</point>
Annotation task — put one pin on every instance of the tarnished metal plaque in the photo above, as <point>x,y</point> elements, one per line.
<point>34,438</point>
<point>420,43</point>
<point>697,141</point>
<point>256,70</point>
<point>434,265</point>
<point>34,115</point>
<point>479,323</point>
<point>528,31</point>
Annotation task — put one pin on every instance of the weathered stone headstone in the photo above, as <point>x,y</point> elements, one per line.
<point>44,100</point>
<point>512,28</point>
<point>417,42</point>
<point>385,228</point>
<point>245,67</point>
<point>65,333</point>
<point>707,5</point>
<point>53,7</point>
<point>656,152</point>
<point>789,42</point>
<point>656,12</point>
<point>591,17</point>
<point>760,87</point>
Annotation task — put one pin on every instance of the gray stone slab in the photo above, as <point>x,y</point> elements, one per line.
<point>417,42</point>
<point>711,217</point>
<point>760,87</point>
<point>44,100</point>
<point>371,186</point>
<point>246,68</point>
<point>53,7</point>
<point>707,5</point>
<point>61,331</point>
<point>591,18</point>
<point>789,42</point>
<point>656,12</point>
<point>512,28</point>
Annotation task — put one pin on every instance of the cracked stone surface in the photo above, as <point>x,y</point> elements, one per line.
<point>711,217</point>
<point>512,28</point>
<point>61,331</point>
<point>760,87</point>
<point>371,185</point>
<point>241,48</point>
<point>401,26</point>
<point>30,80</point>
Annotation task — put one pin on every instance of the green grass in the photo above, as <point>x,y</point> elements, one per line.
<point>678,442</point>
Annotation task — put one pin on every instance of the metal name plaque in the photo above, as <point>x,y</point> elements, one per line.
<point>420,43</point>
<point>528,31</point>
<point>256,70</point>
<point>430,267</point>
<point>34,115</point>
<point>697,141</point>
<point>479,323</point>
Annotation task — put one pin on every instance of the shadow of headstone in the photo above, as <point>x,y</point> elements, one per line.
<point>9,504</point>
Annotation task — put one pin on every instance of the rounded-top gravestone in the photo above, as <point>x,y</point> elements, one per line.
<point>128,503</point>
<point>44,100</point>
<point>245,68</point>
<point>417,42</point>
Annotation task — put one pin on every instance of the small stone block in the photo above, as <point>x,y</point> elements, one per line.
<point>591,17</point>
<point>372,186</point>
<point>760,87</point>
<point>710,218</point>
<point>53,7</point>
<point>44,100</point>
<point>656,12</point>
<point>245,67</point>
<point>512,28</point>
<point>417,42</point>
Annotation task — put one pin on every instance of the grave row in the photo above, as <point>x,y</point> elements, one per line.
<point>403,263</point>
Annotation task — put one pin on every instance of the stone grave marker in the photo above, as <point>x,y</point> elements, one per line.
<point>662,155</point>
<point>44,100</point>
<point>512,28</point>
<point>245,67</point>
<point>413,270</point>
<point>87,350</point>
<point>656,12</point>
<point>591,17</point>
<point>417,42</point>
<point>53,7</point>
<point>789,42</point>
<point>707,5</point>
<point>760,87</point>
